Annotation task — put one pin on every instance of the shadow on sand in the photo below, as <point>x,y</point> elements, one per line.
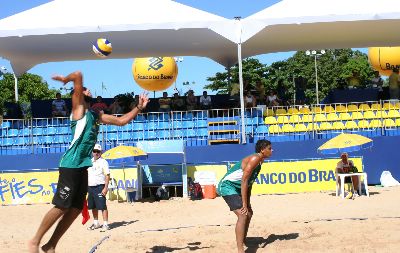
<point>190,246</point>
<point>255,243</point>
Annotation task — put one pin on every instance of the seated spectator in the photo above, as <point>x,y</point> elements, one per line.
<point>99,105</point>
<point>59,108</point>
<point>191,101</point>
<point>249,100</point>
<point>272,99</point>
<point>234,95</point>
<point>165,103</point>
<point>345,166</point>
<point>261,92</point>
<point>115,107</point>
<point>394,84</point>
<point>377,81</point>
<point>354,81</point>
<point>205,101</point>
<point>177,103</point>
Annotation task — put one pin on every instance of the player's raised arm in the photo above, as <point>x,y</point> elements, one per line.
<point>78,101</point>
<point>126,118</point>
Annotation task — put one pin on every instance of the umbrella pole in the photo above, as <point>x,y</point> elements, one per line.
<point>123,171</point>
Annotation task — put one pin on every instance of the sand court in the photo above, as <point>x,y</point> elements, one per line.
<point>304,222</point>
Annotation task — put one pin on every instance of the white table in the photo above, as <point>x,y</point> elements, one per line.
<point>342,176</point>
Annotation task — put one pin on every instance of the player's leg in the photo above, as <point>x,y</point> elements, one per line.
<point>48,221</point>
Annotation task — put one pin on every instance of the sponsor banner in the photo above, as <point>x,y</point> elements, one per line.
<point>165,146</point>
<point>298,176</point>
<point>39,187</point>
<point>219,170</point>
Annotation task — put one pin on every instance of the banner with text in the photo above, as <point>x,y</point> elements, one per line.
<point>298,176</point>
<point>39,187</point>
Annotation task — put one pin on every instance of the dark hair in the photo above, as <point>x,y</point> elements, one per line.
<point>261,144</point>
<point>72,91</point>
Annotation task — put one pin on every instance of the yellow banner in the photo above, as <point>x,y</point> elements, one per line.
<point>39,187</point>
<point>298,176</point>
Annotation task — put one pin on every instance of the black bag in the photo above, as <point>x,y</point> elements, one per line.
<point>161,194</point>
<point>196,192</point>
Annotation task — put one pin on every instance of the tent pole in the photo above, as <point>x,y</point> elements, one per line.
<point>239,54</point>
<point>243,128</point>
<point>184,173</point>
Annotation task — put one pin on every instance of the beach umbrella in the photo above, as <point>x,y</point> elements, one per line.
<point>123,155</point>
<point>345,143</point>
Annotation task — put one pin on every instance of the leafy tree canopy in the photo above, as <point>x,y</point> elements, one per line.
<point>335,67</point>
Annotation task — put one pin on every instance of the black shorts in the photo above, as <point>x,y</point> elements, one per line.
<point>71,188</point>
<point>96,200</point>
<point>235,201</point>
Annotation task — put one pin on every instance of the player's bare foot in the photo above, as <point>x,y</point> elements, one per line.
<point>48,248</point>
<point>33,247</point>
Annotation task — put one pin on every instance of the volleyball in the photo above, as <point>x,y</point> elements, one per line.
<point>384,59</point>
<point>102,47</point>
<point>155,73</point>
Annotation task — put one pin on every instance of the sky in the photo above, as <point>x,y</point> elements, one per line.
<point>116,75</point>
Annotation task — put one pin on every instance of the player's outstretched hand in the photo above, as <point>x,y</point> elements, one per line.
<point>143,100</point>
<point>60,78</point>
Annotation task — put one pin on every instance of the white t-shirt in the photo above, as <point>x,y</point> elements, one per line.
<point>97,173</point>
<point>272,98</point>
<point>205,100</point>
<point>59,105</point>
<point>342,165</point>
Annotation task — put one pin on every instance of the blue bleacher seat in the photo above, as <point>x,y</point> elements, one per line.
<point>22,141</point>
<point>12,132</point>
<point>150,135</point>
<point>151,125</point>
<point>5,124</point>
<point>8,141</point>
<point>201,115</point>
<point>127,127</point>
<point>164,134</point>
<point>51,131</point>
<point>138,135</point>
<point>177,133</point>
<point>37,131</point>
<point>188,116</point>
<point>177,115</point>
<point>164,116</point>
<point>65,130</point>
<point>261,129</point>
<point>152,117</point>
<point>164,125</point>
<point>48,140</point>
<point>177,124</point>
<point>201,123</point>
<point>140,117</point>
<point>190,133</point>
<point>125,136</point>
<point>112,136</point>
<point>112,128</point>
<point>24,132</point>
<point>138,126</point>
<point>202,132</point>
<point>187,124</point>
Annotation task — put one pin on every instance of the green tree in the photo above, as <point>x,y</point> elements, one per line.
<point>335,67</point>
<point>253,71</point>
<point>30,87</point>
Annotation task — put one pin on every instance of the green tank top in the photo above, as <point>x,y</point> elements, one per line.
<point>231,183</point>
<point>84,132</point>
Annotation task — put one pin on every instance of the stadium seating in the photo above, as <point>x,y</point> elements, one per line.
<point>294,123</point>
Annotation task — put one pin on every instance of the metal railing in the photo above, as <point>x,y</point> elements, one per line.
<point>203,127</point>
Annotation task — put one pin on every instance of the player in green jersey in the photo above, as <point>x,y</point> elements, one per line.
<point>235,188</point>
<point>73,178</point>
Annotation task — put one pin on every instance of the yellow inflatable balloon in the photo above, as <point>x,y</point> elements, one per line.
<point>156,73</point>
<point>384,59</point>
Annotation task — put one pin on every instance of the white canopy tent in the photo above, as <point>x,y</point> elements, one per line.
<point>64,30</point>
<point>321,24</point>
